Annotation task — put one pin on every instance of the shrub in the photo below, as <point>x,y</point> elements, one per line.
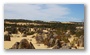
<point>30,33</point>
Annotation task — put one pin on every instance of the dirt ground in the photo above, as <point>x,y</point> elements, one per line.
<point>9,44</point>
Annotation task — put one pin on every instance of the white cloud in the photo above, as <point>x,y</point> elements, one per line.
<point>35,12</point>
<point>69,19</point>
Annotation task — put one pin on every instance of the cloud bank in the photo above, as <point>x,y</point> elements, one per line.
<point>45,12</point>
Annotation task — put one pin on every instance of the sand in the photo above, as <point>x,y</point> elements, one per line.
<point>9,44</point>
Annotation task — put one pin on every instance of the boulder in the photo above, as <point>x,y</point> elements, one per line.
<point>15,46</point>
<point>24,44</point>
<point>7,37</point>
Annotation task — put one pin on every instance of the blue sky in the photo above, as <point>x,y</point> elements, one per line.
<point>45,12</point>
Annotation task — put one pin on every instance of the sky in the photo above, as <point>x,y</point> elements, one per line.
<point>45,12</point>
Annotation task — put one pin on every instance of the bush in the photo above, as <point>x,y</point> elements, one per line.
<point>30,33</point>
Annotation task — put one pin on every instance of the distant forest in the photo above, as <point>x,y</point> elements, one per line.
<point>53,24</point>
